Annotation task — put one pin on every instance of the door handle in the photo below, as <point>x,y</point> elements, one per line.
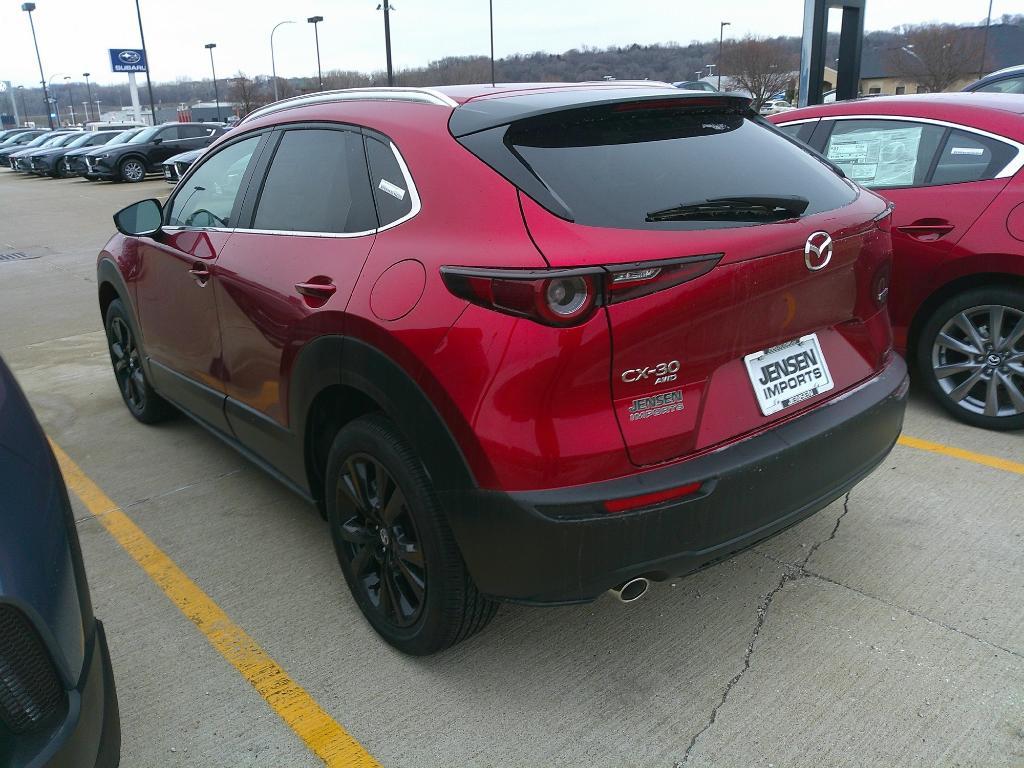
<point>927,229</point>
<point>316,290</point>
<point>200,272</point>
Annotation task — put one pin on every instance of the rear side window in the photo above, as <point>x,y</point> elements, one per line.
<point>318,182</point>
<point>391,190</point>
<point>195,131</point>
<point>613,166</point>
<point>970,157</point>
<point>1009,85</point>
<point>799,131</point>
<point>884,153</point>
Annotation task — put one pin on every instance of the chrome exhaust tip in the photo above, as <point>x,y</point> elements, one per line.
<point>631,591</point>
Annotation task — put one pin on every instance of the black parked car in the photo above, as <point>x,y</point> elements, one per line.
<point>1009,80</point>
<point>58,706</point>
<point>74,161</point>
<point>20,160</point>
<point>177,166</point>
<point>9,133</point>
<point>145,152</point>
<point>49,161</point>
<point>19,142</point>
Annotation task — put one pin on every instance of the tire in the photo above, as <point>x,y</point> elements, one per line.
<point>978,379</point>
<point>132,170</point>
<point>399,545</point>
<point>126,357</point>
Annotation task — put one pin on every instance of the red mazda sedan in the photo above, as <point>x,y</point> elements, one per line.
<point>951,163</point>
<point>523,343</point>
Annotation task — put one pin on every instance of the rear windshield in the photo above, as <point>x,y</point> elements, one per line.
<point>614,166</point>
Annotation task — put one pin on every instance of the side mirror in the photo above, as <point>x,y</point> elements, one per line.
<point>141,219</point>
<point>157,140</point>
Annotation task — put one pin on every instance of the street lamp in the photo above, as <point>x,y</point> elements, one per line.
<point>28,8</point>
<point>490,7</point>
<point>273,66</point>
<point>721,38</point>
<point>216,98</point>
<point>88,89</point>
<point>314,20</point>
<point>386,6</point>
<point>71,99</point>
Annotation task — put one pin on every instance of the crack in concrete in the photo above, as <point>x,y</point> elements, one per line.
<point>793,573</point>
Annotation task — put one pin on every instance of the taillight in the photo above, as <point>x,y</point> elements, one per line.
<point>651,499</point>
<point>564,297</point>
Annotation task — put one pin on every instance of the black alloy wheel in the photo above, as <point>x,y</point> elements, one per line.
<point>126,357</point>
<point>381,540</point>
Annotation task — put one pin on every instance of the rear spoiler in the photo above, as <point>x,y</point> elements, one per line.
<point>484,114</point>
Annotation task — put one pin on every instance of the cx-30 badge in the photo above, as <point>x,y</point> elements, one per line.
<point>818,251</point>
<point>661,372</point>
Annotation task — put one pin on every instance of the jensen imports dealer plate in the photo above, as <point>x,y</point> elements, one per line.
<point>788,374</point>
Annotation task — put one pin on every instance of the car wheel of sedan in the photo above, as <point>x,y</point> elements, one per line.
<point>394,545</point>
<point>132,170</point>
<point>126,357</point>
<point>971,355</point>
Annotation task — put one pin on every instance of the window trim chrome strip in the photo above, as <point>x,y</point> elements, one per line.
<point>1014,165</point>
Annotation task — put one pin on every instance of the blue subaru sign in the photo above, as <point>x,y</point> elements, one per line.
<point>127,60</point>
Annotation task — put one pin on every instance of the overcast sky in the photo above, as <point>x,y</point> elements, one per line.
<point>74,35</point>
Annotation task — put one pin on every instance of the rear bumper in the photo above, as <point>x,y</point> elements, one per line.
<point>560,546</point>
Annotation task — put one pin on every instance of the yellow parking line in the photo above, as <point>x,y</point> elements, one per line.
<point>959,453</point>
<point>324,737</point>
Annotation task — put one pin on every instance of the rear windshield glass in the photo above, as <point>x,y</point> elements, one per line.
<point>615,166</point>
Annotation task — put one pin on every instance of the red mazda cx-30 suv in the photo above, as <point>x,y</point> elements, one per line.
<point>522,343</point>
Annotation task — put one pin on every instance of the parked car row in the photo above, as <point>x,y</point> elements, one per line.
<point>105,153</point>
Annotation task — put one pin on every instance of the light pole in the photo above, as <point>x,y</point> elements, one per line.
<point>149,83</point>
<point>314,20</point>
<point>984,43</point>
<point>71,99</point>
<point>490,7</point>
<point>386,6</point>
<point>721,39</point>
<point>28,8</point>
<point>88,89</point>
<point>216,98</point>
<point>24,112</point>
<point>273,66</point>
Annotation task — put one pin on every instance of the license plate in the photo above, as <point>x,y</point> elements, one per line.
<point>788,374</point>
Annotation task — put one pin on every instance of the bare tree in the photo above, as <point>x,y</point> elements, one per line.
<point>937,55</point>
<point>761,66</point>
<point>246,92</point>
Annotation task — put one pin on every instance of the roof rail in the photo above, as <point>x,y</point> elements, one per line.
<point>419,95</point>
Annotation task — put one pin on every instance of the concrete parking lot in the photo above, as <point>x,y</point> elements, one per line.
<point>887,630</point>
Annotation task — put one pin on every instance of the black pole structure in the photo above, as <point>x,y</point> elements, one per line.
<point>490,5</point>
<point>149,83</point>
<point>314,20</point>
<point>387,7</point>
<point>721,39</point>
<point>28,8</point>
<point>88,89</point>
<point>216,97</point>
<point>984,43</point>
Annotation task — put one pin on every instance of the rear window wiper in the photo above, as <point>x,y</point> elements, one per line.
<point>735,208</point>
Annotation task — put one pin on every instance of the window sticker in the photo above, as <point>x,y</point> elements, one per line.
<point>392,189</point>
<point>966,151</point>
<point>880,158</point>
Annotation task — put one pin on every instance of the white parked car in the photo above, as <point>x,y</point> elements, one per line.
<point>775,106</point>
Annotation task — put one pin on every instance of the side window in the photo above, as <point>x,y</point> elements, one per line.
<point>170,133</point>
<point>193,131</point>
<point>799,131</point>
<point>970,157</point>
<point>207,199</point>
<point>317,183</point>
<point>883,153</point>
<point>391,191</point>
<point>1009,85</point>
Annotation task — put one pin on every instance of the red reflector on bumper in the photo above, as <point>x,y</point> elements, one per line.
<point>650,499</point>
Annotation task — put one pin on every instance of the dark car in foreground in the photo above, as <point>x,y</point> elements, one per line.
<point>75,160</point>
<point>50,161</point>
<point>525,343</point>
<point>1009,80</point>
<point>145,151</point>
<point>58,706</point>
<point>951,163</point>
<point>176,167</point>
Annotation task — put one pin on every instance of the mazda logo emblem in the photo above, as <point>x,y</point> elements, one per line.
<point>818,251</point>
<point>129,57</point>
